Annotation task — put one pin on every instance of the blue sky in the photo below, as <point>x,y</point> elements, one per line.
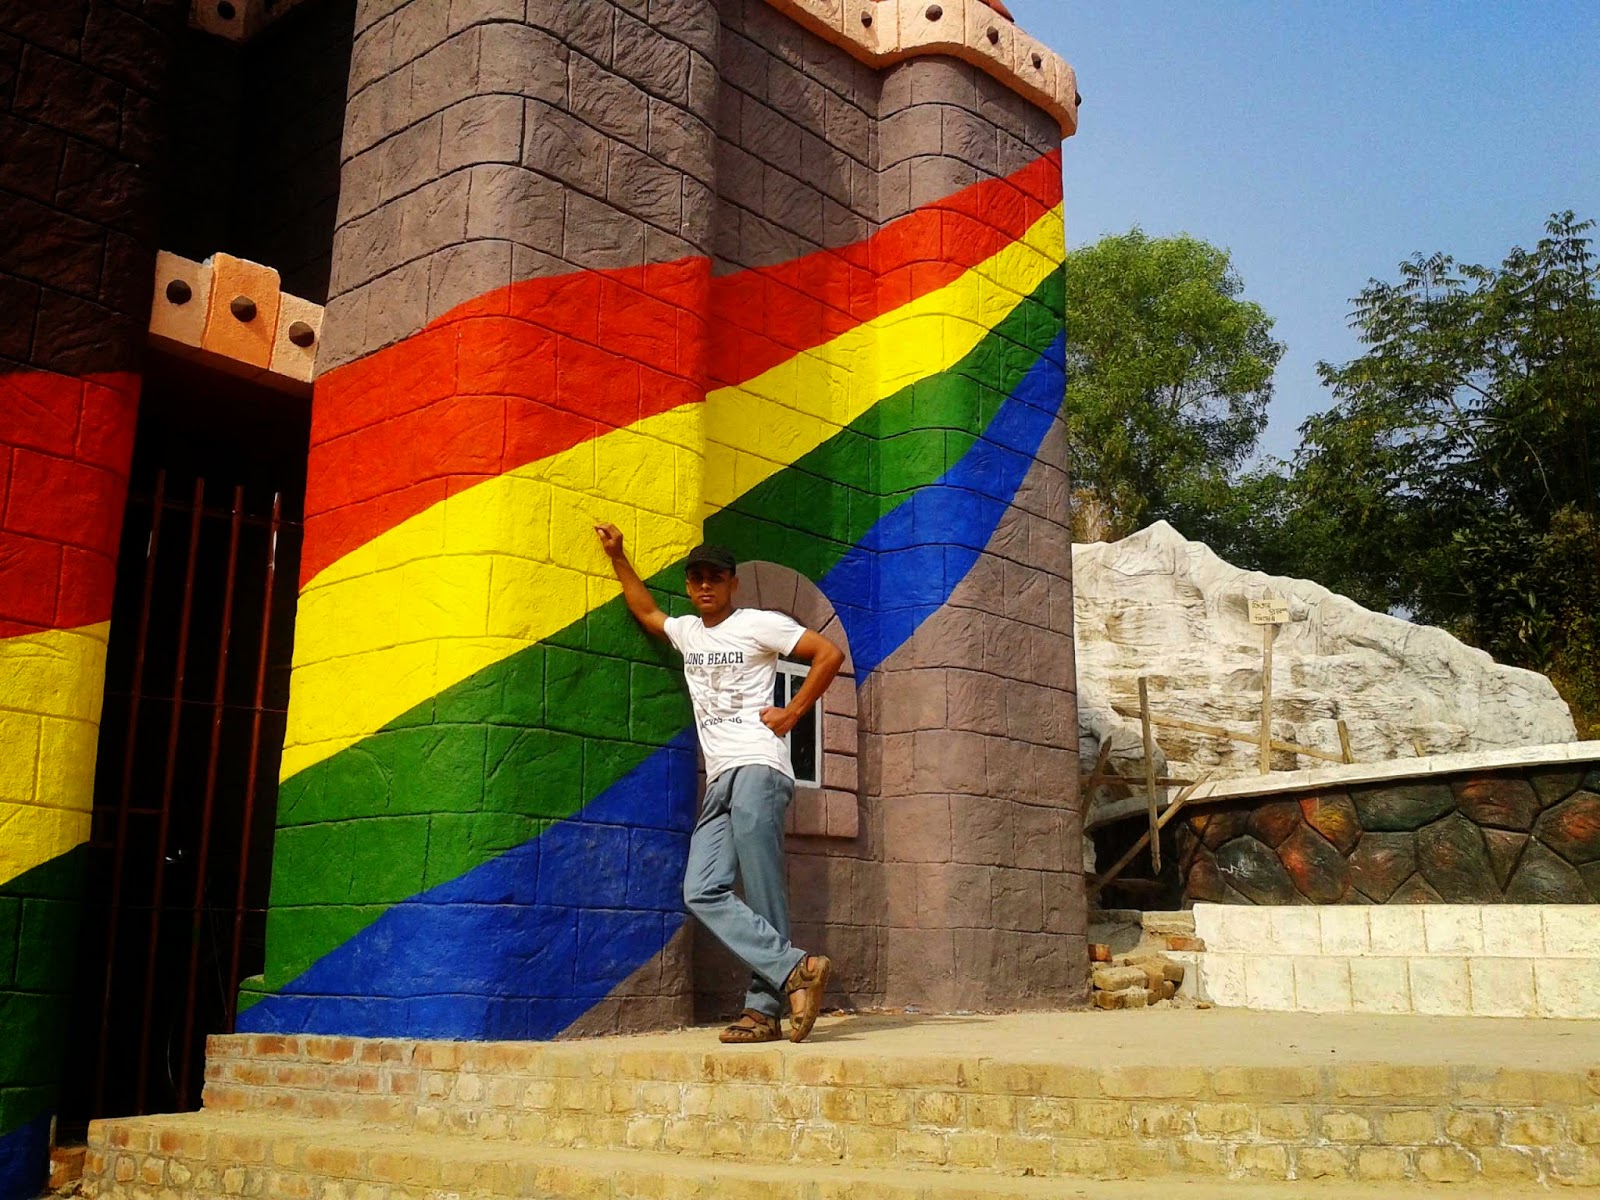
<point>1322,143</point>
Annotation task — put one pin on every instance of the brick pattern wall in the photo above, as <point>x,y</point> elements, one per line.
<point>518,287</point>
<point>972,781</point>
<point>797,138</point>
<point>79,133</point>
<point>958,891</point>
<point>485,143</point>
<point>631,266</point>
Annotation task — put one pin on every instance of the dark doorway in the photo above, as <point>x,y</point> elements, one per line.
<point>197,682</point>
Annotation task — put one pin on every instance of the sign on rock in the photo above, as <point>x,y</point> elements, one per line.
<point>1269,610</point>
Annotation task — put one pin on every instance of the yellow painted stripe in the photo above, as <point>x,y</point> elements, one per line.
<point>51,685</point>
<point>513,560</point>
<point>757,429</point>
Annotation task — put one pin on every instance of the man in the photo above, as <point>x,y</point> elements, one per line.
<point>730,658</point>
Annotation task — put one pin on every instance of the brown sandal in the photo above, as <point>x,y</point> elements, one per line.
<point>811,977</point>
<point>752,1026</point>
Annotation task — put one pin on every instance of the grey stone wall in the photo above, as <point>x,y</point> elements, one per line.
<point>80,139</point>
<point>488,141</point>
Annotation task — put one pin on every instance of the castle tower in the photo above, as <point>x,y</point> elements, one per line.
<point>787,274</point>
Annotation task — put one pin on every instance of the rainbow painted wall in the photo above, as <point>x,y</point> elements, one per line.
<point>753,271</point>
<point>65,444</point>
<point>489,775</point>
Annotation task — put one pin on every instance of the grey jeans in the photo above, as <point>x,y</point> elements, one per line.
<point>740,833</point>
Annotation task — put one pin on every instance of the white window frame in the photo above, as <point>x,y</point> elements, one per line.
<point>796,672</point>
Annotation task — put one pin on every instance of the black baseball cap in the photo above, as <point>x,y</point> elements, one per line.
<point>706,555</point>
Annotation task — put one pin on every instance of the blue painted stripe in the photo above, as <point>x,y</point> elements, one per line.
<point>25,1159</point>
<point>908,564</point>
<point>523,945</point>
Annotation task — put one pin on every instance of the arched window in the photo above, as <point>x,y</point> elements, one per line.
<point>826,799</point>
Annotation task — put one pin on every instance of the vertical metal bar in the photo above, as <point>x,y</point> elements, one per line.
<point>1150,775</point>
<point>255,750</point>
<point>157,897</point>
<point>202,858</point>
<point>119,852</point>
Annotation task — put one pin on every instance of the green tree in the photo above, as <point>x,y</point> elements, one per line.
<point>1169,372</point>
<point>1456,474</point>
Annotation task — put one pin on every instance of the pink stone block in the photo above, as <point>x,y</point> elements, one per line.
<point>841,697</point>
<point>839,771</point>
<point>917,829</point>
<point>918,703</point>
<point>843,814</point>
<point>840,734</point>
<point>947,760</point>
<point>809,813</point>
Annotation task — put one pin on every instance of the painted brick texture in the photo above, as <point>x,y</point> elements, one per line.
<point>642,265</point>
<point>78,133</point>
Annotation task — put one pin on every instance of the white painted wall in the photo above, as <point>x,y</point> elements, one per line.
<point>1500,960</point>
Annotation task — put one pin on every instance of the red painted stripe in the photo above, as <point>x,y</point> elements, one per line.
<point>530,370</point>
<point>762,317</point>
<point>65,448</point>
<point>515,375</point>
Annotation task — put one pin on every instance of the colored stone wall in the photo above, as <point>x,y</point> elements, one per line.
<point>674,268</point>
<point>77,144</point>
<point>1524,836</point>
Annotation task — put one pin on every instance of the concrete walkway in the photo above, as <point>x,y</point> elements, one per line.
<point>1193,1037</point>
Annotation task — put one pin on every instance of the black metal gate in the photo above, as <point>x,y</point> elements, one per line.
<point>190,738</point>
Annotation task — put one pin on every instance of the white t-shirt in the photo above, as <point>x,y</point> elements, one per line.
<point>731,669</point>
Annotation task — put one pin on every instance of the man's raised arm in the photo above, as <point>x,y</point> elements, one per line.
<point>825,659</point>
<point>639,600</point>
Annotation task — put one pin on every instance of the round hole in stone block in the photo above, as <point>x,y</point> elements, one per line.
<point>302,334</point>
<point>179,292</point>
<point>243,307</point>
<point>866,19</point>
<point>934,12</point>
<point>1077,99</point>
<point>994,37</point>
<point>1038,61</point>
<point>226,10</point>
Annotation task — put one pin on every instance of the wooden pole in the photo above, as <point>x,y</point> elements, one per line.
<point>1093,779</point>
<point>1266,697</point>
<point>1100,881</point>
<point>1150,774</point>
<point>1344,742</point>
<point>1253,739</point>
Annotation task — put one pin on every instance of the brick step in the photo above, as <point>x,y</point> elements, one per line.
<point>212,1155</point>
<point>1061,1094</point>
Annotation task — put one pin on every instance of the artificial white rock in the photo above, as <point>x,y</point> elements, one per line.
<point>1158,605</point>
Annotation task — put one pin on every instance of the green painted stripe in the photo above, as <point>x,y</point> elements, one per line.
<point>490,763</point>
<point>808,516</point>
<point>39,915</point>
